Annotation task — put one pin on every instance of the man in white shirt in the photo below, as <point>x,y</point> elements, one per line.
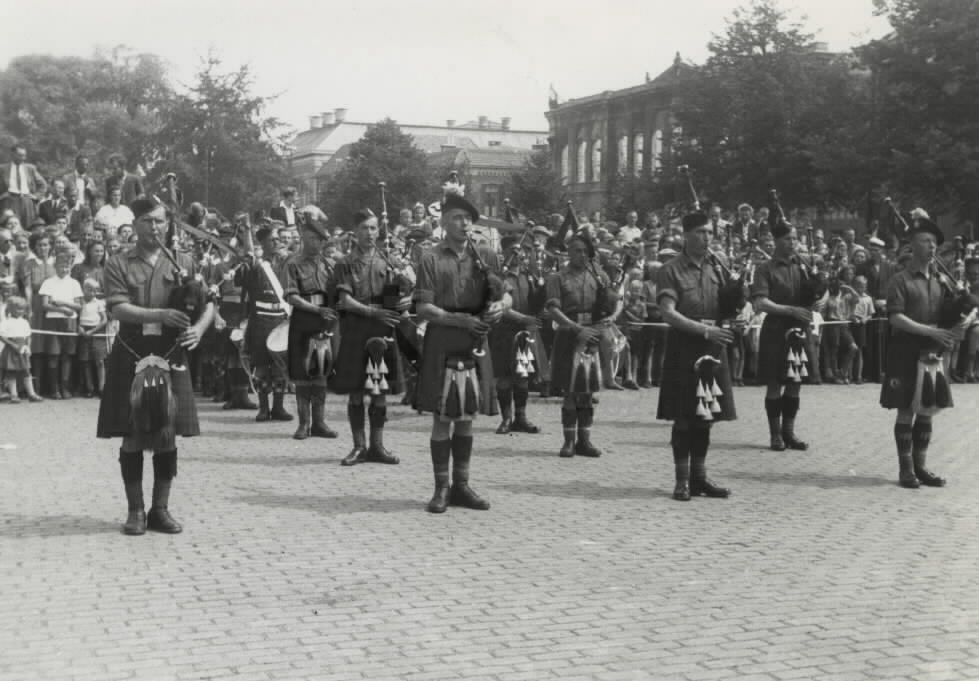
<point>717,223</point>
<point>114,215</point>
<point>285,212</point>
<point>630,232</point>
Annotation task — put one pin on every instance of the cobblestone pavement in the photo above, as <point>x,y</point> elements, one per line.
<point>291,567</point>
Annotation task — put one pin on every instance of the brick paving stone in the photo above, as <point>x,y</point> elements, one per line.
<point>291,567</point>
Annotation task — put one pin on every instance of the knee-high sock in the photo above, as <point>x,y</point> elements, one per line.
<point>355,415</point>
<point>920,439</point>
<point>773,409</point>
<point>680,441</point>
<point>903,440</point>
<point>699,444</point>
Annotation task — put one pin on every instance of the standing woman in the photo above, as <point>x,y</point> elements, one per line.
<point>35,269</point>
<point>777,291</point>
<point>571,296</point>
<point>93,266</point>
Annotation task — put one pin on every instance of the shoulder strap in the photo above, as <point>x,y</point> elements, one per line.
<point>276,286</point>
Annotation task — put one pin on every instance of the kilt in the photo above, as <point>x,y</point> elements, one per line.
<point>562,361</point>
<point>59,345</point>
<point>256,337</point>
<point>440,343</point>
<point>92,348</point>
<point>350,368</point>
<point>901,369</point>
<point>303,326</point>
<point>678,385</point>
<point>773,349</point>
<point>114,408</point>
<point>502,350</point>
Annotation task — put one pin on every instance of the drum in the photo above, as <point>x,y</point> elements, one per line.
<point>278,340</point>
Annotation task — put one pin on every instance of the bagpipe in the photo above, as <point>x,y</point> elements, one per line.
<point>399,281</point>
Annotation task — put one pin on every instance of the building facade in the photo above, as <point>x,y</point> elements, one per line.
<point>595,140</point>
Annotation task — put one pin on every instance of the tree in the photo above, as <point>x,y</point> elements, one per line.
<point>383,154</point>
<point>756,113</point>
<point>217,138</point>
<point>536,189</point>
<point>927,87</point>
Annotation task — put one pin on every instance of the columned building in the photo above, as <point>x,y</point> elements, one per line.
<point>597,139</point>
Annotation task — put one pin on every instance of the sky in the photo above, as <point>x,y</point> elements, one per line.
<point>417,61</point>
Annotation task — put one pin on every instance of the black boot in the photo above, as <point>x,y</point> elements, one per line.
<point>319,427</point>
<point>355,415</point>
<point>920,438</point>
<point>377,453</point>
<point>441,455</point>
<point>790,407</point>
<point>279,412</point>
<point>569,422</point>
<point>902,438</point>
<point>131,465</point>
<point>164,471</point>
<point>773,408</point>
<point>462,494</point>
<point>263,408</point>
<point>520,422</point>
<point>584,447</point>
<point>238,380</point>
<point>680,441</point>
<point>700,484</point>
<point>303,409</point>
<point>505,397</point>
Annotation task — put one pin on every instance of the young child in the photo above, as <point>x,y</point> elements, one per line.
<point>15,358</point>
<point>863,311</point>
<point>62,298</point>
<point>634,310</point>
<point>92,349</point>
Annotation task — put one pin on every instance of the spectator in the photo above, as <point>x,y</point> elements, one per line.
<point>15,356</point>
<point>21,186</point>
<point>56,205</point>
<point>92,266</point>
<point>285,212</point>
<point>863,312</point>
<point>630,231</point>
<point>80,186</point>
<point>92,348</point>
<point>129,185</point>
<point>62,300</point>
<point>114,214</point>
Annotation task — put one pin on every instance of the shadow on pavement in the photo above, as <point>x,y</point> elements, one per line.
<point>583,489</point>
<point>245,434</point>
<point>13,526</point>
<point>333,505</point>
<point>313,459</point>
<point>545,449</point>
<point>809,479</point>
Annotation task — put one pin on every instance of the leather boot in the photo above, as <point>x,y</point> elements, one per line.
<point>700,484</point>
<point>263,408</point>
<point>278,412</point>
<point>319,427</point>
<point>569,422</point>
<point>355,415</point>
<point>303,409</point>
<point>680,442</point>
<point>462,494</point>
<point>378,416</point>
<point>520,422</point>
<point>584,447</point>
<point>920,438</point>
<point>441,455</point>
<point>902,438</point>
<point>164,470</point>
<point>131,466</point>
<point>505,397</point>
<point>773,409</point>
<point>790,407</point>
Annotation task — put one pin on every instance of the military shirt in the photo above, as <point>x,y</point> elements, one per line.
<point>779,280</point>
<point>694,288</point>
<point>574,291</point>
<point>130,278</point>
<point>307,275</point>
<point>256,287</point>
<point>917,295</point>
<point>451,280</point>
<point>362,274</point>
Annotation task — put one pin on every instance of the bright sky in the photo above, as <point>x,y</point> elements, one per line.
<point>418,61</point>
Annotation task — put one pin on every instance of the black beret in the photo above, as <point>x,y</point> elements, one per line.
<point>456,201</point>
<point>925,225</point>
<point>586,240</point>
<point>141,207</point>
<point>363,215</point>
<point>693,221</point>
<point>264,232</point>
<point>781,228</point>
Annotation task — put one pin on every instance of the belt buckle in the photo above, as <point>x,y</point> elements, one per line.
<point>708,322</point>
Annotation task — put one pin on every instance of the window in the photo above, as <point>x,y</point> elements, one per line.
<point>491,200</point>
<point>623,154</point>
<point>495,143</point>
<point>657,149</point>
<point>637,153</point>
<point>582,158</point>
<point>596,161</point>
<point>565,174</point>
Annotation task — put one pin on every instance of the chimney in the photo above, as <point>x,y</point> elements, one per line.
<point>483,122</point>
<point>341,115</point>
<point>450,123</point>
<point>505,122</point>
<point>327,118</point>
<point>315,122</point>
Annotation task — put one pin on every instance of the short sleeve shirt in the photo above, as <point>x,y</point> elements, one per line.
<point>452,280</point>
<point>916,295</point>
<point>362,274</point>
<point>778,280</point>
<point>693,287</point>
<point>130,278</point>
<point>574,291</point>
<point>307,275</point>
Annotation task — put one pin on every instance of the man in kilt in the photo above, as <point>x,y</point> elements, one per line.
<point>263,296</point>
<point>368,360</point>
<point>138,287</point>
<point>778,291</point>
<point>455,377</point>
<point>914,304</point>
<point>309,289</point>
<point>696,385</point>
<point>221,352</point>
<point>575,367</point>
<point>515,343</point>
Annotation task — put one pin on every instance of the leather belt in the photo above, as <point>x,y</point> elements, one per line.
<point>271,307</point>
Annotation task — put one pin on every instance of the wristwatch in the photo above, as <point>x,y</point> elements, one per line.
<point>706,332</point>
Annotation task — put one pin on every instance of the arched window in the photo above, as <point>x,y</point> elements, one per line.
<point>637,153</point>
<point>565,174</point>
<point>657,149</point>
<point>623,149</point>
<point>596,161</point>
<point>580,174</point>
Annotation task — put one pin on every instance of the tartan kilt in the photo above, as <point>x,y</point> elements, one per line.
<point>773,348</point>
<point>562,361</point>
<point>114,407</point>
<point>350,368</point>
<point>503,351</point>
<point>256,337</point>
<point>678,386</point>
<point>303,326</point>
<point>440,343</point>
<point>901,369</point>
